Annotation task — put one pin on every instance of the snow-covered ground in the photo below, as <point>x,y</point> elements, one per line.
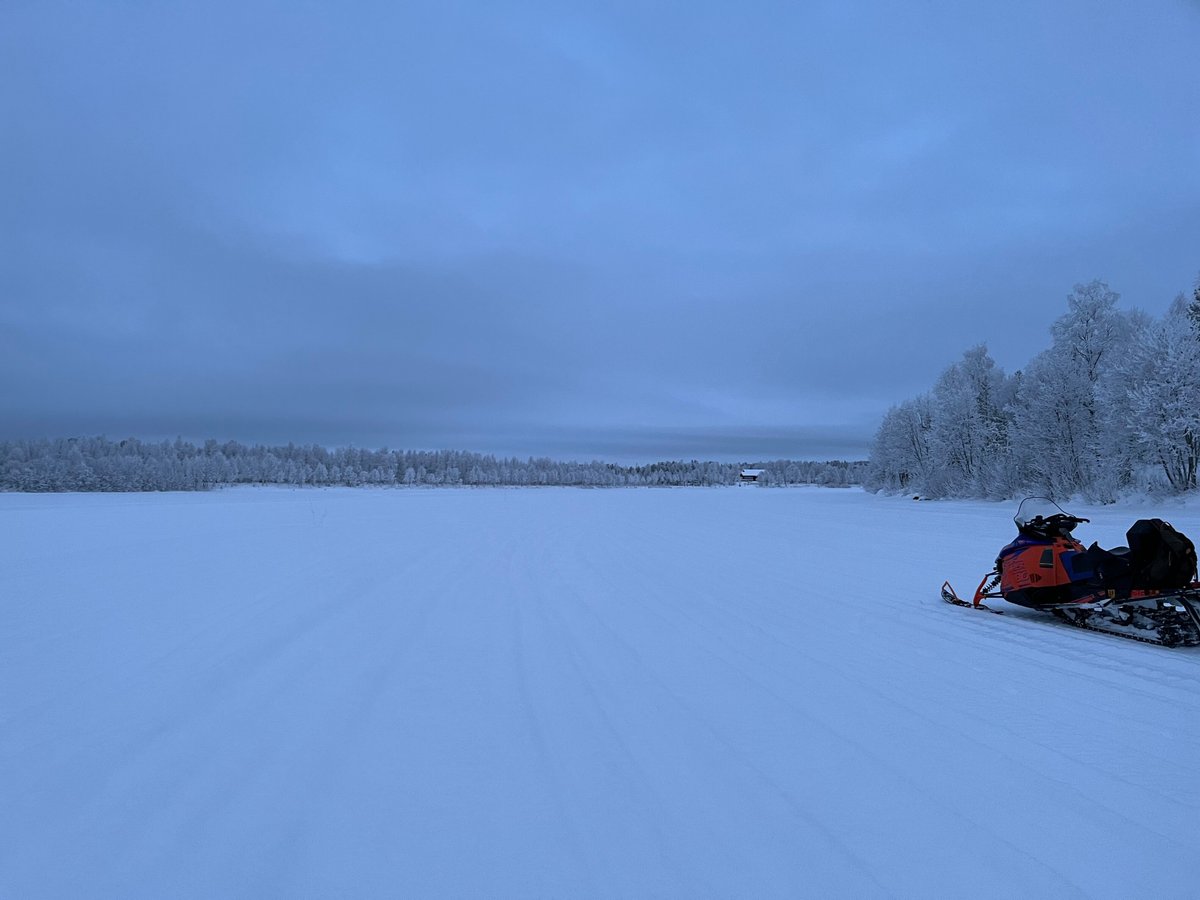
<point>568,693</point>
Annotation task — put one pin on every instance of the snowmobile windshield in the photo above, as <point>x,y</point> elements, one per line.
<point>1036,508</point>
<point>1043,517</point>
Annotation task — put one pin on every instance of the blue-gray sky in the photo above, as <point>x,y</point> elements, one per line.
<point>618,230</point>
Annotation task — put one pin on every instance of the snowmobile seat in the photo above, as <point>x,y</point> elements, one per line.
<point>1111,569</point>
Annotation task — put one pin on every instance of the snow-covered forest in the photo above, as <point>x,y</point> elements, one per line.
<point>99,464</point>
<point>1110,408</point>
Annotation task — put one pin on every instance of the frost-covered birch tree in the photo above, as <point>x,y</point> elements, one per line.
<point>1063,427</point>
<point>1052,426</point>
<point>901,458</point>
<point>1164,407</point>
<point>969,428</point>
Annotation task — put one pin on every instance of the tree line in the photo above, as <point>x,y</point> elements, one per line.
<point>100,464</point>
<point>1112,407</point>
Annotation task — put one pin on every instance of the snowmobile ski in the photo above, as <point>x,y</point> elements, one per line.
<point>949,595</point>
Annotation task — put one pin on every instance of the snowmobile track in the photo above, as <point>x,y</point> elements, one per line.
<point>948,595</point>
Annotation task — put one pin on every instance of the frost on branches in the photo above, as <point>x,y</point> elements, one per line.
<point>1112,407</point>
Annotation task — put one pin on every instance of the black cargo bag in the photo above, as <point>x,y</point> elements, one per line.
<point>1162,558</point>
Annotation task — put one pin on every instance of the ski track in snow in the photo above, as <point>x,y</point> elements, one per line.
<point>558,692</point>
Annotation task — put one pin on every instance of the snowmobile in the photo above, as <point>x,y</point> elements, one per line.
<point>1146,591</point>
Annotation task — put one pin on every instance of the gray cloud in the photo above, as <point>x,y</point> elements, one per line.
<point>614,232</point>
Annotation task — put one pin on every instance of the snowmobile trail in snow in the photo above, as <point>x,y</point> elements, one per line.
<point>556,692</point>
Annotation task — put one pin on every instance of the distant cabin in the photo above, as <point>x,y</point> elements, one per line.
<point>749,476</point>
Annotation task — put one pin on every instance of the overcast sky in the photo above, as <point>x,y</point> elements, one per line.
<point>619,230</point>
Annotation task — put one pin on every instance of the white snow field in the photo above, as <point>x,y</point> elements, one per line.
<point>570,693</point>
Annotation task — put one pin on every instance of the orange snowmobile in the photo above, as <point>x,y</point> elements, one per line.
<point>1146,591</point>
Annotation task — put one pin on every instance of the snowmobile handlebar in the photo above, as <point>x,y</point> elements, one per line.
<point>1057,523</point>
<point>1065,517</point>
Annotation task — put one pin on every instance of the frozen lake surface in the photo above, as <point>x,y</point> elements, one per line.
<point>559,692</point>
